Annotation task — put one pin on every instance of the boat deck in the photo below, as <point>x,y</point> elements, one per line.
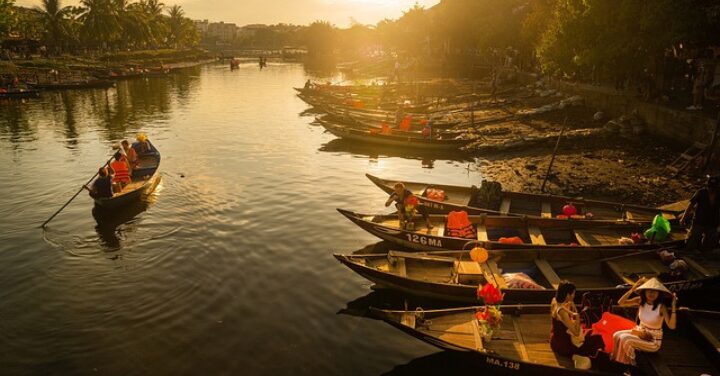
<point>526,337</point>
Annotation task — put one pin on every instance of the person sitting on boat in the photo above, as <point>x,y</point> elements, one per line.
<point>142,146</point>
<point>102,186</point>
<point>704,211</point>
<point>402,197</point>
<point>130,155</point>
<point>121,171</point>
<point>427,129</point>
<point>308,84</point>
<point>647,335</point>
<point>566,334</point>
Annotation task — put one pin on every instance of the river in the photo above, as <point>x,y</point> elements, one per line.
<point>227,268</point>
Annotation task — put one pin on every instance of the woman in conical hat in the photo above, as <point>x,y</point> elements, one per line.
<point>652,313</point>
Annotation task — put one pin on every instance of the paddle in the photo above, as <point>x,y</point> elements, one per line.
<point>75,195</point>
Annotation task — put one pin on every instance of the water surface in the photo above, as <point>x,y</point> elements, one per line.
<point>227,268</point>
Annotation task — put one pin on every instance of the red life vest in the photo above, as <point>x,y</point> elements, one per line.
<point>122,174</point>
<point>405,123</point>
<point>459,225</point>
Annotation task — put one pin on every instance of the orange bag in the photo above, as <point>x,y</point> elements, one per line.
<point>436,194</point>
<point>608,325</point>
<point>512,240</point>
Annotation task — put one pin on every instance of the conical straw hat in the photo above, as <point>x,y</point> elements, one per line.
<point>654,284</point>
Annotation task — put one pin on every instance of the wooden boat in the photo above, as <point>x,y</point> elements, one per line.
<point>490,229</point>
<point>19,93</point>
<point>521,345</point>
<point>375,120</point>
<point>145,177</point>
<point>453,276</point>
<point>75,85</point>
<point>405,140</point>
<point>527,204</point>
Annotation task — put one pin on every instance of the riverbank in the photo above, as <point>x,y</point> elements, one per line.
<point>70,68</point>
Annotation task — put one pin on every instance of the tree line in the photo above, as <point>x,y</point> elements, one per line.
<point>99,25</point>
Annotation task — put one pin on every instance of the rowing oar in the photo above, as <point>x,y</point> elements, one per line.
<point>76,194</point>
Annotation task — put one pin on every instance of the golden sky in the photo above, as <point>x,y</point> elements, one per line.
<point>245,12</point>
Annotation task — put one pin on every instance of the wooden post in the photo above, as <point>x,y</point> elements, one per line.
<point>552,160</point>
<point>711,148</point>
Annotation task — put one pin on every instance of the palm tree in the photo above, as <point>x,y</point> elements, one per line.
<point>182,31</point>
<point>54,19</point>
<point>134,24</point>
<point>100,25</point>
<point>153,10</point>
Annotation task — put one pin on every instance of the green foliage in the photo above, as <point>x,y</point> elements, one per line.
<point>7,19</point>
<point>321,38</point>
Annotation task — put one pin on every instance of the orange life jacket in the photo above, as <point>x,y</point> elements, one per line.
<point>386,129</point>
<point>122,174</point>
<point>459,225</point>
<point>405,123</point>
<point>435,194</point>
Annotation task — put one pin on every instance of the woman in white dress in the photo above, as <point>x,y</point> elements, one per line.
<point>647,335</point>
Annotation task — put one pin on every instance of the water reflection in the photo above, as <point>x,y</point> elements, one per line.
<point>427,158</point>
<point>112,224</point>
<point>439,363</point>
<point>14,123</point>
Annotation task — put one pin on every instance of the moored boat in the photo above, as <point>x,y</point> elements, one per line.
<point>404,139</point>
<point>517,203</point>
<point>521,344</point>
<point>19,93</point>
<point>513,232</point>
<point>530,276</point>
<point>145,177</point>
<point>75,85</point>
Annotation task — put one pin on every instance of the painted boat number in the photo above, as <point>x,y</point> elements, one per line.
<point>424,240</point>
<point>685,286</point>
<point>503,363</point>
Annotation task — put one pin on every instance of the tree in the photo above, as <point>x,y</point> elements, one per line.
<point>153,10</point>
<point>321,38</point>
<point>182,31</point>
<point>134,23</point>
<point>100,24</point>
<point>54,21</point>
<point>7,18</point>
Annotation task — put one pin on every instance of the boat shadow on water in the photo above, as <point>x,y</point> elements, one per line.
<point>428,157</point>
<point>113,223</point>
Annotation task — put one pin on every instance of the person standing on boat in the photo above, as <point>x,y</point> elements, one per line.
<point>704,211</point>
<point>130,156</point>
<point>652,313</point>
<point>566,335</point>
<point>402,196</point>
<point>102,186</point>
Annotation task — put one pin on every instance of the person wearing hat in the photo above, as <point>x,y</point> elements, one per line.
<point>704,211</point>
<point>142,146</point>
<point>652,313</point>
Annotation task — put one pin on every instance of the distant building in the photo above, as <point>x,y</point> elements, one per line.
<point>202,27</point>
<point>225,32</point>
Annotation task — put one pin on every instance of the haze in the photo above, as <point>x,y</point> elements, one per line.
<point>339,12</point>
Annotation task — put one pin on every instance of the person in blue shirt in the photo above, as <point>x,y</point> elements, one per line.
<point>102,186</point>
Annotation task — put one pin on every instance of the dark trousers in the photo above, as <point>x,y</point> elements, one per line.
<point>701,237</point>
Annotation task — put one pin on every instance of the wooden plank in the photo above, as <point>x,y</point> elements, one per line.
<point>707,335</point>
<point>476,334</point>
<point>521,342</point>
<point>536,237</point>
<point>417,256</point>
<point>505,205</point>
<point>440,230</point>
<point>546,211</point>
<point>482,233</point>
<point>699,268</point>
<point>617,271</point>
<point>496,273</point>
<point>579,235</point>
<point>628,215</point>
<point>548,272</point>
<point>400,267</point>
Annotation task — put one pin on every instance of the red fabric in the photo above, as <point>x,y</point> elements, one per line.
<point>608,325</point>
<point>121,172</point>
<point>436,194</point>
<point>405,123</point>
<point>512,240</point>
<point>458,220</point>
<point>385,129</point>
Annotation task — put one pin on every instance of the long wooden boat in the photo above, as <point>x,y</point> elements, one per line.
<point>491,229</point>
<point>145,177</point>
<point>527,204</point>
<point>75,85</point>
<point>21,93</point>
<point>405,140</point>
<point>521,345</point>
<point>454,276</point>
<point>376,120</point>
